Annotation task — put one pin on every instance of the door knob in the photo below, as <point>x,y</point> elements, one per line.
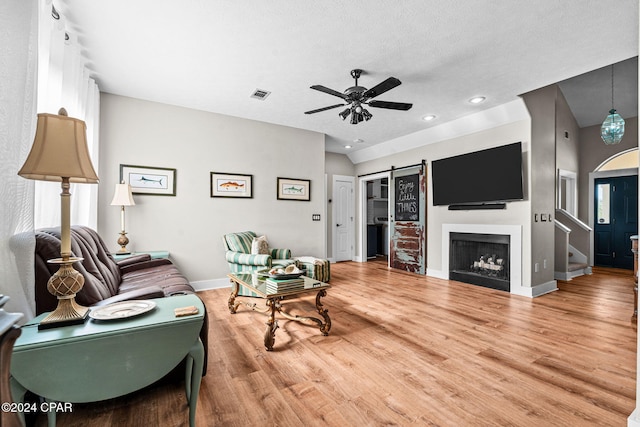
<point>338,225</point>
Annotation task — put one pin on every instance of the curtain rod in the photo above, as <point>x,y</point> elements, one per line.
<point>423,163</point>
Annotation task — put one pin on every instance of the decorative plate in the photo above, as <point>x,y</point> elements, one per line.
<point>280,276</point>
<point>122,310</point>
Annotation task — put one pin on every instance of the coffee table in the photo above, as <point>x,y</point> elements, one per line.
<point>256,283</point>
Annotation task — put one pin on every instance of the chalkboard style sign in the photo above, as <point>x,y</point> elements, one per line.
<point>407,198</point>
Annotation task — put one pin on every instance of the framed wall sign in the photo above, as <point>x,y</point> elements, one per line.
<point>231,185</point>
<point>294,189</point>
<point>407,206</point>
<point>149,180</point>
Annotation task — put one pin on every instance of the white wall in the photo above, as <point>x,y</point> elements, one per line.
<point>517,213</point>
<point>196,143</point>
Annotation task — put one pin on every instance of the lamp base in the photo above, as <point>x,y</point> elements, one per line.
<point>64,284</point>
<point>68,312</point>
<point>123,241</point>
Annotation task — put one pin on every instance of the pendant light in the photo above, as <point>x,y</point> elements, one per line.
<point>612,129</point>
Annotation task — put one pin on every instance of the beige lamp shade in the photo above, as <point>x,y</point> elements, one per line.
<point>59,151</point>
<point>123,196</point>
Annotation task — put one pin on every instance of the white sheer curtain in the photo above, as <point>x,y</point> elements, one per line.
<point>64,81</point>
<point>38,51</point>
<point>18,63</point>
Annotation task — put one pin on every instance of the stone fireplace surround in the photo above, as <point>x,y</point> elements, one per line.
<point>515,248</point>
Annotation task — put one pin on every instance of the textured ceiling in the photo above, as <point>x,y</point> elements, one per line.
<point>212,55</point>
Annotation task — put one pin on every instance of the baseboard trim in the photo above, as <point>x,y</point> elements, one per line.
<point>205,285</point>
<point>634,419</point>
<point>438,274</point>
<point>535,291</point>
<point>531,292</point>
<point>567,276</point>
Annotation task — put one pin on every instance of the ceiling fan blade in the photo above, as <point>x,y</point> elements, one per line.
<point>390,105</point>
<point>324,109</point>
<point>381,88</point>
<point>329,91</point>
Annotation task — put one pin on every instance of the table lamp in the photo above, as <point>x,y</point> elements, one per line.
<point>60,153</point>
<point>123,197</point>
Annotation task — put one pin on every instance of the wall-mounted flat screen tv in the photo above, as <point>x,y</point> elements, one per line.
<point>492,175</point>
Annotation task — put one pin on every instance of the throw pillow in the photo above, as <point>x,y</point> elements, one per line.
<point>260,246</point>
<point>240,242</point>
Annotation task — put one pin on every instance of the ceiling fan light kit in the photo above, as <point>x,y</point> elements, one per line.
<point>357,97</point>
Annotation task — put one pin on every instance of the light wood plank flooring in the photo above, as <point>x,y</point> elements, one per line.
<point>409,350</point>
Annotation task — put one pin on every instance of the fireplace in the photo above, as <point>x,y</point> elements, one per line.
<point>480,259</point>
<point>511,234</point>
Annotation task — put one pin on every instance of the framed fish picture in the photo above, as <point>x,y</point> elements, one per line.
<point>231,185</point>
<point>149,180</point>
<point>294,189</point>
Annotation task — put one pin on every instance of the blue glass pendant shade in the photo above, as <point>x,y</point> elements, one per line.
<point>612,129</point>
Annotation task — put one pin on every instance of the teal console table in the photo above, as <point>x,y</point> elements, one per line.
<point>100,360</point>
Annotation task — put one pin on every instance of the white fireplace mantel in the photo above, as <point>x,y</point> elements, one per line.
<point>515,247</point>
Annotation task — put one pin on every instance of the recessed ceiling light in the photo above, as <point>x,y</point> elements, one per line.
<point>477,99</point>
<point>347,146</point>
<point>428,117</point>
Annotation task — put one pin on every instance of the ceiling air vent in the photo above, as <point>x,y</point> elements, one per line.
<point>260,94</point>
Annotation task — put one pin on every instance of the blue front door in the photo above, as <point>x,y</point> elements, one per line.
<point>616,220</point>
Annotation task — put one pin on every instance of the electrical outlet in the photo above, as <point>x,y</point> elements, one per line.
<point>544,264</point>
<point>536,267</point>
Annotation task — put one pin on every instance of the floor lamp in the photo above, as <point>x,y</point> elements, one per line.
<point>60,153</point>
<point>122,197</point>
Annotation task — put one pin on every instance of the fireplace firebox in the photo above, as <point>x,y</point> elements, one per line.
<point>480,259</point>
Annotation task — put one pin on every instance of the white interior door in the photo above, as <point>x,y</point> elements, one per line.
<point>343,218</point>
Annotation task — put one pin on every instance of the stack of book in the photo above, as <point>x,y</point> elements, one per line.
<point>282,285</point>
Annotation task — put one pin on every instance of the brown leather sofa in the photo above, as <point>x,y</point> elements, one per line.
<point>107,280</point>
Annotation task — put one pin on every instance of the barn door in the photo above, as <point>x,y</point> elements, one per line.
<point>407,222</point>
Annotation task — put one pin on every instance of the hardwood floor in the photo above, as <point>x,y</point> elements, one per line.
<point>410,350</point>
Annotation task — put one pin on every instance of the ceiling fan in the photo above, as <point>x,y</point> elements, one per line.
<point>357,97</point>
